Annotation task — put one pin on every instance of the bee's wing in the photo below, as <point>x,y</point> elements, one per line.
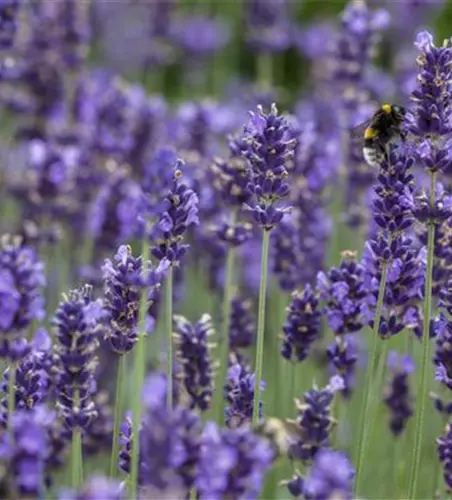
<point>358,131</point>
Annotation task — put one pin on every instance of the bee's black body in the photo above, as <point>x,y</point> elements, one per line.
<point>378,132</point>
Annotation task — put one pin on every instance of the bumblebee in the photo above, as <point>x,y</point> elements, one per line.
<point>379,131</point>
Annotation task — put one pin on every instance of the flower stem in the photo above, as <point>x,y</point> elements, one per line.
<point>265,70</point>
<point>11,392</point>
<point>261,324</point>
<point>138,375</point>
<point>76,446</point>
<point>363,427</point>
<point>121,373</point>
<point>224,338</point>
<point>420,414</point>
<point>169,347</point>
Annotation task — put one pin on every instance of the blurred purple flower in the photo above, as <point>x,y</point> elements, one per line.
<point>200,36</point>
<point>343,354</point>
<point>193,353</point>
<point>20,293</point>
<point>397,395</point>
<point>444,449</point>
<point>96,488</point>
<point>269,28</point>
<point>24,450</point>
<point>242,325</point>
<point>331,476</point>
<point>169,444</point>
<point>9,10</point>
<point>232,463</point>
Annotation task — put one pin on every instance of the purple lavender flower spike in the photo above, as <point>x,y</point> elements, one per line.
<point>21,302</point>
<point>78,325</point>
<point>444,450</point>
<point>314,422</point>
<point>25,451</point>
<point>242,325</point>
<point>123,283</point>
<point>239,392</point>
<point>32,378</point>
<point>193,352</point>
<point>267,146</point>
<point>302,326</point>
<point>331,476</point>
<point>169,444</point>
<point>96,488</point>
<point>344,291</point>
<point>442,358</point>
<point>433,105</point>
<point>9,10</point>
<point>397,395</point>
<point>232,463</point>
<point>178,212</point>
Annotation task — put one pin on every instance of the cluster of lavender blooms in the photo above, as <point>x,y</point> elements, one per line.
<point>102,173</point>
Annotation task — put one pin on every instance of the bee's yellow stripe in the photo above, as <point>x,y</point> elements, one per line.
<point>387,108</point>
<point>370,133</point>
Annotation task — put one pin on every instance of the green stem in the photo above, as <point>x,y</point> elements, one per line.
<point>261,324</point>
<point>224,338</point>
<point>138,376</point>
<point>169,347</point>
<point>76,446</point>
<point>265,70</point>
<point>120,375</point>
<point>363,427</point>
<point>420,414</point>
<point>11,392</point>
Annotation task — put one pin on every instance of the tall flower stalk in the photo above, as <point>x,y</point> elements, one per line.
<point>131,285</point>
<point>432,123</point>
<point>268,147</point>
<point>179,211</point>
<point>387,250</point>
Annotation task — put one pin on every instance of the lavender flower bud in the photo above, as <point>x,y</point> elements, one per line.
<point>302,326</point>
<point>239,392</point>
<point>21,302</point>
<point>397,396</point>
<point>179,212</point>
<point>232,463</point>
<point>193,352</point>
<point>123,283</point>
<point>77,325</point>
<point>442,358</point>
<point>344,291</point>
<point>331,476</point>
<point>432,98</point>
<point>268,147</point>
<point>242,325</point>
<point>314,422</point>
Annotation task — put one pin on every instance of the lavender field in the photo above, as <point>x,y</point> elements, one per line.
<point>206,290</point>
